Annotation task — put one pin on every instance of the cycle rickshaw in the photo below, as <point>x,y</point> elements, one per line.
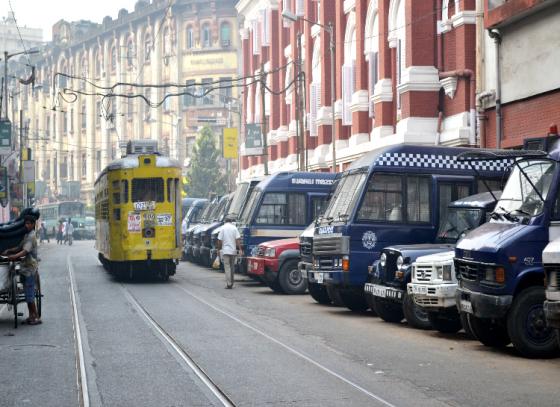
<point>11,290</point>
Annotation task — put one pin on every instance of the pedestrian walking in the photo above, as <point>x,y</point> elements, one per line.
<point>229,242</point>
<point>64,235</point>
<point>43,235</point>
<point>69,232</point>
<point>60,232</point>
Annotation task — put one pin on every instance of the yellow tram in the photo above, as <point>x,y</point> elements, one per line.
<point>138,212</point>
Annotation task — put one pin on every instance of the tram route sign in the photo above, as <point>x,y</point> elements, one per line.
<point>145,206</point>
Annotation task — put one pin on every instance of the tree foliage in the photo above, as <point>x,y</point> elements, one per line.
<point>205,177</point>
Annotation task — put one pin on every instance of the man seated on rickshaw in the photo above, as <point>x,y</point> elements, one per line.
<point>27,252</point>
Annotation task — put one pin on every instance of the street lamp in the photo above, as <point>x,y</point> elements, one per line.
<point>6,58</point>
<point>330,30</point>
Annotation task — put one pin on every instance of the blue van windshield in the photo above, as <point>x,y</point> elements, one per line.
<point>345,196</point>
<point>249,207</point>
<point>520,197</point>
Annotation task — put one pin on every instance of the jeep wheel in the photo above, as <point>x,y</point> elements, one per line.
<point>334,295</point>
<point>445,323</point>
<point>527,326</point>
<point>319,293</point>
<point>415,316</point>
<point>464,318</point>
<point>290,278</point>
<point>388,311</point>
<point>354,301</point>
<point>489,332</point>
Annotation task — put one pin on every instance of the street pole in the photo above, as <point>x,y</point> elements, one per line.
<point>299,106</point>
<point>330,30</point>
<point>5,85</point>
<point>263,120</point>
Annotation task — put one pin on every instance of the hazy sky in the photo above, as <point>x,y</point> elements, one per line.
<point>44,13</point>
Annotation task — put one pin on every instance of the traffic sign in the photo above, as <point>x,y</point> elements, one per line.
<point>5,137</point>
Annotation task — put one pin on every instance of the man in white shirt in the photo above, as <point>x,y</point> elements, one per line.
<point>229,242</point>
<point>69,232</point>
<point>184,229</point>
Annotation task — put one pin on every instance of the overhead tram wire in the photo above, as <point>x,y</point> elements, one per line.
<point>19,33</point>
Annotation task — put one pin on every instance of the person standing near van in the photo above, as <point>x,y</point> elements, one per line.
<point>229,242</point>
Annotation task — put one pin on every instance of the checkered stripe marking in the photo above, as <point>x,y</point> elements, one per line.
<point>439,162</point>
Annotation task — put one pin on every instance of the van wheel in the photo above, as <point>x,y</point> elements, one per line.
<point>415,316</point>
<point>319,293</point>
<point>388,311</point>
<point>489,332</point>
<point>527,327</point>
<point>334,295</point>
<point>464,318</point>
<point>354,301</point>
<point>445,323</point>
<point>290,278</point>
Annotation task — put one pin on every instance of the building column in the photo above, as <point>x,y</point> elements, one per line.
<point>360,98</point>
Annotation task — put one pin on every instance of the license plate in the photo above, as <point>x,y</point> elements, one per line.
<point>383,292</point>
<point>319,277</point>
<point>466,306</point>
<point>419,289</point>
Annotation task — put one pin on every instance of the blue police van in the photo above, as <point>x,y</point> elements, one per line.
<point>499,265</point>
<point>391,195</point>
<point>281,206</point>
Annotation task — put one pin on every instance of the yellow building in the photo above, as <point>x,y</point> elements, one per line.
<point>76,133</point>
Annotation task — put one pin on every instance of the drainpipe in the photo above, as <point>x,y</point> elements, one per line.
<point>469,75</point>
<point>481,115</point>
<point>497,37</point>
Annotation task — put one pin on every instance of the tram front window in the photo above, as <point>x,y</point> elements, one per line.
<point>147,189</point>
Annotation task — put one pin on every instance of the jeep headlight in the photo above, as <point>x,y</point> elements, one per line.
<point>400,262</point>
<point>447,272</point>
<point>439,272</point>
<point>383,260</point>
<point>270,252</point>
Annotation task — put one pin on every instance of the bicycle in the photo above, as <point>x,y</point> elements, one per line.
<point>13,293</point>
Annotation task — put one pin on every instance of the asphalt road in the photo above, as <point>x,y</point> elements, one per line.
<point>190,342</point>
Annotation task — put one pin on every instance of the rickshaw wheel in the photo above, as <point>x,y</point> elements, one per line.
<point>38,295</point>
<point>15,300</point>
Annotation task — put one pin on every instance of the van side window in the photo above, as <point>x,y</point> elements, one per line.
<point>318,206</point>
<point>383,199</point>
<point>493,184</point>
<point>418,199</point>
<point>282,209</point>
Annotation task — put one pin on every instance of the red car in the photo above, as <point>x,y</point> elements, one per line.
<point>276,264</point>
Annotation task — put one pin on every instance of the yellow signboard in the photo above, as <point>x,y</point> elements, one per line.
<point>208,62</point>
<point>230,143</point>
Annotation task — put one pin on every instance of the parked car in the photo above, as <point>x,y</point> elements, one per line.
<point>276,264</point>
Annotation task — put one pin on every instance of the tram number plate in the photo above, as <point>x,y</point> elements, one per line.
<point>164,220</point>
<point>145,206</point>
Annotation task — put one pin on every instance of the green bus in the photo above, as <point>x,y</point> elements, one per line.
<point>52,213</point>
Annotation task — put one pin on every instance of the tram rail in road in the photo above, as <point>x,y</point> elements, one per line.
<point>166,336</point>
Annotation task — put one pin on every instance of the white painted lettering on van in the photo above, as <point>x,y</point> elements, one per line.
<point>326,230</point>
<point>309,181</point>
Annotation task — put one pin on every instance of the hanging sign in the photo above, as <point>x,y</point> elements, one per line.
<point>230,143</point>
<point>253,139</point>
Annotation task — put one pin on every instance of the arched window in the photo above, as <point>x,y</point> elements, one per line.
<point>225,34</point>
<point>130,53</point>
<point>83,115</point>
<point>166,42</point>
<point>397,40</point>
<point>190,37</point>
<point>206,37</point>
<point>348,71</point>
<point>147,47</point>
<point>114,58</point>
<point>371,51</point>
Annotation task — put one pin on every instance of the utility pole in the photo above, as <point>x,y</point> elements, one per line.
<point>329,28</point>
<point>299,108</point>
<point>263,120</point>
<point>6,85</point>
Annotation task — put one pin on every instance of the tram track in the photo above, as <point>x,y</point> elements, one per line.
<point>165,336</point>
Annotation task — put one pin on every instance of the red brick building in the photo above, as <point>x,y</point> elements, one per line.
<point>524,80</point>
<point>404,69</point>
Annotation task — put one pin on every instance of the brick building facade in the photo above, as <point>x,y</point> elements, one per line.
<point>404,69</point>
<point>520,72</point>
